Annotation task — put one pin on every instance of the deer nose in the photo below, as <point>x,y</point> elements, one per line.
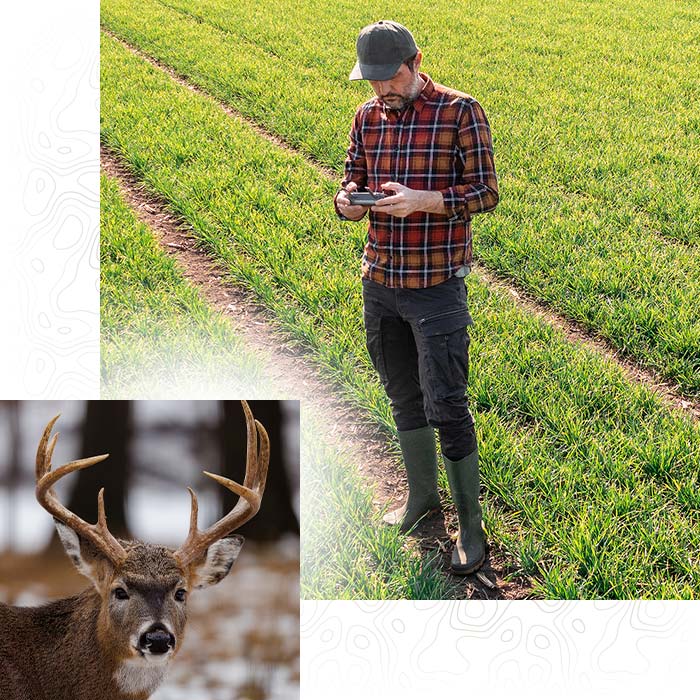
<point>157,640</point>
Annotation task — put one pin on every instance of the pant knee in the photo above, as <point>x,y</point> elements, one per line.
<point>456,442</point>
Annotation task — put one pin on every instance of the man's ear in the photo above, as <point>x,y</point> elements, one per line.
<point>87,560</point>
<point>220,557</point>
<point>417,61</point>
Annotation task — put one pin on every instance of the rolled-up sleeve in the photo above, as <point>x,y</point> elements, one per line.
<point>477,190</point>
<point>355,161</point>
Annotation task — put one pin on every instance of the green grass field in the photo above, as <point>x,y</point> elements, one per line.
<point>595,137</point>
<point>159,338</point>
<point>590,482</point>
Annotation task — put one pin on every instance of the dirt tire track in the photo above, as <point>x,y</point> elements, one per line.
<point>667,391</point>
<point>299,378</point>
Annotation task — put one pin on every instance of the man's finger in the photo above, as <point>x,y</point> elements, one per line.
<point>387,201</point>
<point>392,186</point>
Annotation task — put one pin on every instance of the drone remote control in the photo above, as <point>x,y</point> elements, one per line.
<point>365,199</point>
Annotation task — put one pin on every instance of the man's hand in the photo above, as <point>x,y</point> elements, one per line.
<point>405,201</point>
<point>352,211</point>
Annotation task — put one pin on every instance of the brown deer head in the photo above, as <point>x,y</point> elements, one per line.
<point>143,588</point>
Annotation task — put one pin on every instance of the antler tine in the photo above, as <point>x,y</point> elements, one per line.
<point>250,493</point>
<point>98,534</point>
<point>263,454</point>
<point>41,452</point>
<point>252,443</point>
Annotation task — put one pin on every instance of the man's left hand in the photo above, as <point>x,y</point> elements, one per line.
<point>404,201</point>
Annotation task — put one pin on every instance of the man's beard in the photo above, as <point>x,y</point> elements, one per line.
<point>399,102</point>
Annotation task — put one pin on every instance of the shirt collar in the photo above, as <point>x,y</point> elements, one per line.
<point>425,94</point>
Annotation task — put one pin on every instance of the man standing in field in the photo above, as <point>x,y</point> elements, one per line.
<point>429,149</point>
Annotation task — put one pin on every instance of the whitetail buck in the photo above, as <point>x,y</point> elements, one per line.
<point>114,641</point>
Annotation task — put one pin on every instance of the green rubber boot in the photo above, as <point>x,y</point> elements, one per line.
<point>420,457</point>
<point>470,549</point>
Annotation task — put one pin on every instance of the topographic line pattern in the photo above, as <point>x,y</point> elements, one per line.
<point>57,246</point>
<point>407,648</point>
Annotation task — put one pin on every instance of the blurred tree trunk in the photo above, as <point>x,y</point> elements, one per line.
<point>276,515</point>
<point>15,470</point>
<point>106,429</point>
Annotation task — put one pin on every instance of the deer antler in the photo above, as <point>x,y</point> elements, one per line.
<point>97,534</point>
<point>251,492</point>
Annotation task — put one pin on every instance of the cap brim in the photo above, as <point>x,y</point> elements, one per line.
<point>369,71</point>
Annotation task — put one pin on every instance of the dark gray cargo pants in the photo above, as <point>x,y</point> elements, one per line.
<point>419,345</point>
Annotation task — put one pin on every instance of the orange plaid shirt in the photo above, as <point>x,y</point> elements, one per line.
<point>442,141</point>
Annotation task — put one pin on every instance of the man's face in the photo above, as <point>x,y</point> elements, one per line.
<point>400,90</point>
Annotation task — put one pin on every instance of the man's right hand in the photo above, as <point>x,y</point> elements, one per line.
<point>351,211</point>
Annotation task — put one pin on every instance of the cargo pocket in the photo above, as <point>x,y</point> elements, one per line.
<point>445,350</point>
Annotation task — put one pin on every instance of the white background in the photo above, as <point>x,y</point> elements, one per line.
<point>49,349</point>
<point>49,180</point>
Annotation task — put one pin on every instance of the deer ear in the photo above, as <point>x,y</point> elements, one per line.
<point>83,555</point>
<point>220,557</point>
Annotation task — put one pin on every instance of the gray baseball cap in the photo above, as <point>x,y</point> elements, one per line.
<point>381,49</point>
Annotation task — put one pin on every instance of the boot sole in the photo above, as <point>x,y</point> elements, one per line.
<point>466,569</point>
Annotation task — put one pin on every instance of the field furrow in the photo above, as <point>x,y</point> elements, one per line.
<point>600,200</point>
<point>158,335</point>
<point>591,483</point>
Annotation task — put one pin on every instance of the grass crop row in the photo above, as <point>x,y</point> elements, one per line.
<point>159,337</point>
<point>595,133</point>
<point>590,482</point>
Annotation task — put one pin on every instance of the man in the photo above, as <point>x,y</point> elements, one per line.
<point>429,149</point>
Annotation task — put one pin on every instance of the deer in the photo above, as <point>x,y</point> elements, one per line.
<point>116,639</point>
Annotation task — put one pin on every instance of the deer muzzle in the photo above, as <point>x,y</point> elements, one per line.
<point>156,640</point>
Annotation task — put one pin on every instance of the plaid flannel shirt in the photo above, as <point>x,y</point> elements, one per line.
<point>442,141</point>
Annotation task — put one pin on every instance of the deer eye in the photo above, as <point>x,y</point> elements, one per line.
<point>180,595</point>
<point>120,594</point>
